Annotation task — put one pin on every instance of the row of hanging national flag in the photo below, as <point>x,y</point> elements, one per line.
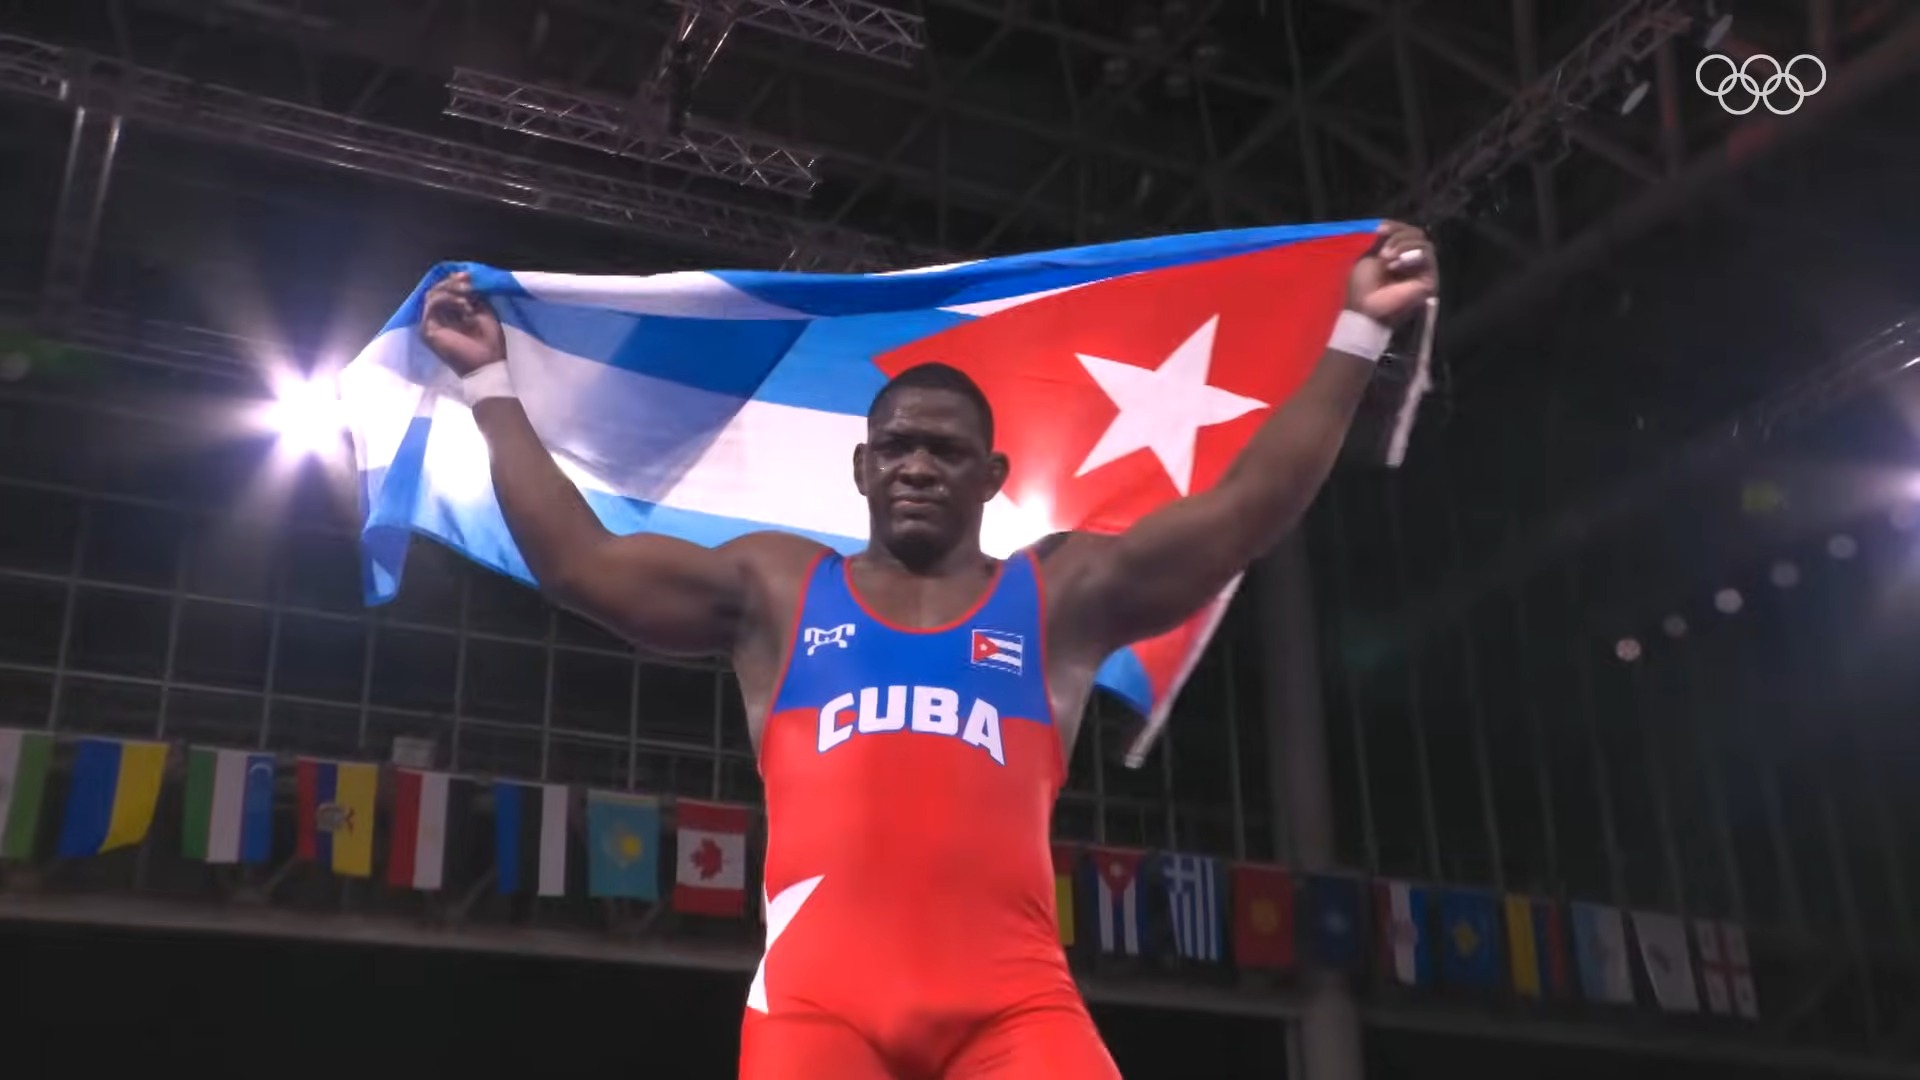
<point>1128,902</point>
<point>230,815</point>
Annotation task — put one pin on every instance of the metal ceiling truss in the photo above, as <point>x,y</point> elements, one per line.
<point>84,183</point>
<point>913,169</point>
<point>858,27</point>
<point>598,123</point>
<point>1543,109</point>
<point>83,80</point>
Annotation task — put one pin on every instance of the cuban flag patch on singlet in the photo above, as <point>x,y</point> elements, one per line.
<point>997,649</point>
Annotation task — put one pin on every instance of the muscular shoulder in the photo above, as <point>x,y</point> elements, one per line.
<point>775,566</point>
<point>773,553</point>
<point>1065,560</point>
<point>1060,553</point>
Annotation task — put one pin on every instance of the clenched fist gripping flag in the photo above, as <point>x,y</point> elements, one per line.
<point>708,405</point>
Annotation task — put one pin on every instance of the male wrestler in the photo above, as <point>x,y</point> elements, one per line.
<point>913,706</point>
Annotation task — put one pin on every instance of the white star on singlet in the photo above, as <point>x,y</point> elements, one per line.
<point>780,912</point>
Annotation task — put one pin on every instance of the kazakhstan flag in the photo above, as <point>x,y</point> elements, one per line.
<point>623,833</point>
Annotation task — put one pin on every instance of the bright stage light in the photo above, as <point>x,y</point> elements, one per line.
<point>1729,601</point>
<point>306,414</point>
<point>1627,649</point>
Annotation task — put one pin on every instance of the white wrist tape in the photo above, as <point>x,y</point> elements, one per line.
<point>1359,335</point>
<point>491,381</point>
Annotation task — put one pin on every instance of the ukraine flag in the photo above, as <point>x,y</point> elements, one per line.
<point>110,802</point>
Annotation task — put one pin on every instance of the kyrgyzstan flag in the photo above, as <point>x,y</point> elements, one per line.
<point>711,874</point>
<point>1262,916</point>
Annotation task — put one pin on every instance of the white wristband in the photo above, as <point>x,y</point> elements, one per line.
<point>1359,335</point>
<point>490,381</point>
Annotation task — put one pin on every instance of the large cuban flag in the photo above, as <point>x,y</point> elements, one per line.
<point>708,405</point>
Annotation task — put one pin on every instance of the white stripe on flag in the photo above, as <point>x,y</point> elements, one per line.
<point>553,840</point>
<point>382,401</point>
<point>664,442</point>
<point>1125,937</point>
<point>228,809</point>
<point>1406,932</point>
<point>990,307</point>
<point>685,294</point>
<point>1193,888</point>
<point>760,465</point>
<point>430,835</point>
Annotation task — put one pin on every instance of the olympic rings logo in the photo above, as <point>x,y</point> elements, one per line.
<point>1738,77</point>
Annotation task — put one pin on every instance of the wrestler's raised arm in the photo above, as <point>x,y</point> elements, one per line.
<point>1112,591</point>
<point>666,595</point>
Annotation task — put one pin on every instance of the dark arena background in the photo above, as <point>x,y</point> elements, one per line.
<point>1629,633</point>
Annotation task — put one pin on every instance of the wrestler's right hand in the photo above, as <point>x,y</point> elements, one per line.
<point>460,326</point>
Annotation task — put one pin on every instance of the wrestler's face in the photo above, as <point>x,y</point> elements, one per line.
<point>927,473</point>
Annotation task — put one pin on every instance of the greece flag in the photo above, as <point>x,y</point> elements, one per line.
<point>1193,905</point>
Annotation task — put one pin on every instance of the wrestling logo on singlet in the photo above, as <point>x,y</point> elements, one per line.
<point>925,710</point>
<point>816,638</point>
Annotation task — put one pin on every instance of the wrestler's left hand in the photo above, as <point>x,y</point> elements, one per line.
<point>1396,276</point>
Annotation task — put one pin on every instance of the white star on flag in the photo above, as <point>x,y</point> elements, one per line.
<point>1163,409</point>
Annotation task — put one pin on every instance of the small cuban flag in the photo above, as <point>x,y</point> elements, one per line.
<point>1121,908</point>
<point>997,649</point>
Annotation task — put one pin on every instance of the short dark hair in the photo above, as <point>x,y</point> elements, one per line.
<point>938,376</point>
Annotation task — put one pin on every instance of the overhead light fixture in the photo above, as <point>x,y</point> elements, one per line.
<point>306,416</point>
<point>1634,89</point>
<point>1718,24</point>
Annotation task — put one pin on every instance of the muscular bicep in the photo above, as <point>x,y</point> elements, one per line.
<point>1111,591</point>
<point>665,595</point>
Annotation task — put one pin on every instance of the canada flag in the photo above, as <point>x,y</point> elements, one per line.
<point>711,874</point>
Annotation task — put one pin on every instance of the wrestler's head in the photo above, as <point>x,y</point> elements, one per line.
<point>928,466</point>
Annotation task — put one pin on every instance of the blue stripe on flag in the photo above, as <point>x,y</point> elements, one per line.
<point>1124,676</point>
<point>1013,275</point>
<point>89,811</point>
<point>831,366</point>
<point>256,810</point>
<point>507,811</point>
<point>680,350</point>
